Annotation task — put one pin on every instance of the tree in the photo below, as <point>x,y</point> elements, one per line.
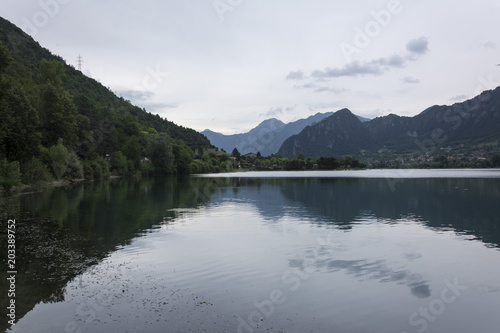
<point>159,150</point>
<point>57,109</point>
<point>19,136</point>
<point>119,163</point>
<point>183,157</point>
<point>10,174</point>
<point>34,171</point>
<point>75,167</point>
<point>236,154</point>
<point>5,58</point>
<point>132,151</point>
<point>22,137</point>
<point>495,160</point>
<point>57,157</point>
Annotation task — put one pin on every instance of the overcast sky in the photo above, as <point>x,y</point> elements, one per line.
<point>227,65</point>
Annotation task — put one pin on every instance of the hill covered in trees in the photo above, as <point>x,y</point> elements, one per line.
<point>56,123</point>
<point>464,134</point>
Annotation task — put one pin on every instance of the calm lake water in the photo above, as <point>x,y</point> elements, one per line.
<point>353,251</point>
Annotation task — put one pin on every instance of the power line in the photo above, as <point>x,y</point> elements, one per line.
<point>79,62</point>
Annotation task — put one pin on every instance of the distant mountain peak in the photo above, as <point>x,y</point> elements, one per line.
<point>436,130</point>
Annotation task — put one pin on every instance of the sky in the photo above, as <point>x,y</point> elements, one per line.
<point>227,65</point>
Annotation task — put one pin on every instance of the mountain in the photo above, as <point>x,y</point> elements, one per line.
<point>457,130</point>
<point>267,137</point>
<point>46,104</point>
<point>90,97</point>
<point>252,141</point>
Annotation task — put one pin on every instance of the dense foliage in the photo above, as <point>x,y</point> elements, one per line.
<point>58,124</point>
<point>465,133</point>
<point>277,162</point>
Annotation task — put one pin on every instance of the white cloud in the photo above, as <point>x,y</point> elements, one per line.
<point>410,79</point>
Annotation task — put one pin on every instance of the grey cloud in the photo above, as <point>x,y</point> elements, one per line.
<point>354,68</point>
<point>275,111</point>
<point>297,75</point>
<point>330,90</point>
<point>458,98</point>
<point>305,86</point>
<point>272,112</point>
<point>392,61</point>
<point>136,95</point>
<point>319,89</point>
<point>418,46</point>
<point>410,79</point>
<point>490,45</point>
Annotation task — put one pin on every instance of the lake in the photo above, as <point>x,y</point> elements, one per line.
<point>334,251</point>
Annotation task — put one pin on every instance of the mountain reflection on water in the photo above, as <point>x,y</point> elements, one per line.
<point>64,231</point>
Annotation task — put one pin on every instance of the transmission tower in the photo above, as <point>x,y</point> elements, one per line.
<point>79,62</point>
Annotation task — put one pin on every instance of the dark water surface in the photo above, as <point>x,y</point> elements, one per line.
<point>282,252</point>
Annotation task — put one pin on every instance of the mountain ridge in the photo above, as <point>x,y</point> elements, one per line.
<point>267,137</point>
<point>459,127</point>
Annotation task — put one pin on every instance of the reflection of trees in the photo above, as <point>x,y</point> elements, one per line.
<point>467,205</point>
<point>63,231</point>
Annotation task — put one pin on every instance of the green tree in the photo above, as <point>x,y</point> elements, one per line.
<point>5,58</point>
<point>132,151</point>
<point>119,163</point>
<point>10,174</point>
<point>19,136</point>
<point>34,171</point>
<point>57,109</point>
<point>183,157</point>
<point>100,168</point>
<point>495,160</point>
<point>74,169</point>
<point>159,150</point>
<point>57,157</point>
<point>236,153</point>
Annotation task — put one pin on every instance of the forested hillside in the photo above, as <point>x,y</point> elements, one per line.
<point>464,134</point>
<point>57,123</point>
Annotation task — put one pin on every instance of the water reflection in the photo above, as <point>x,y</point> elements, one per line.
<point>63,231</point>
<point>468,206</point>
<point>66,230</point>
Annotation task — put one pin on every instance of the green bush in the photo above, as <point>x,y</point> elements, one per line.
<point>10,174</point>
<point>119,163</point>
<point>147,168</point>
<point>88,171</point>
<point>101,168</point>
<point>97,169</point>
<point>104,167</point>
<point>159,151</point>
<point>74,169</point>
<point>34,172</point>
<point>57,156</point>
